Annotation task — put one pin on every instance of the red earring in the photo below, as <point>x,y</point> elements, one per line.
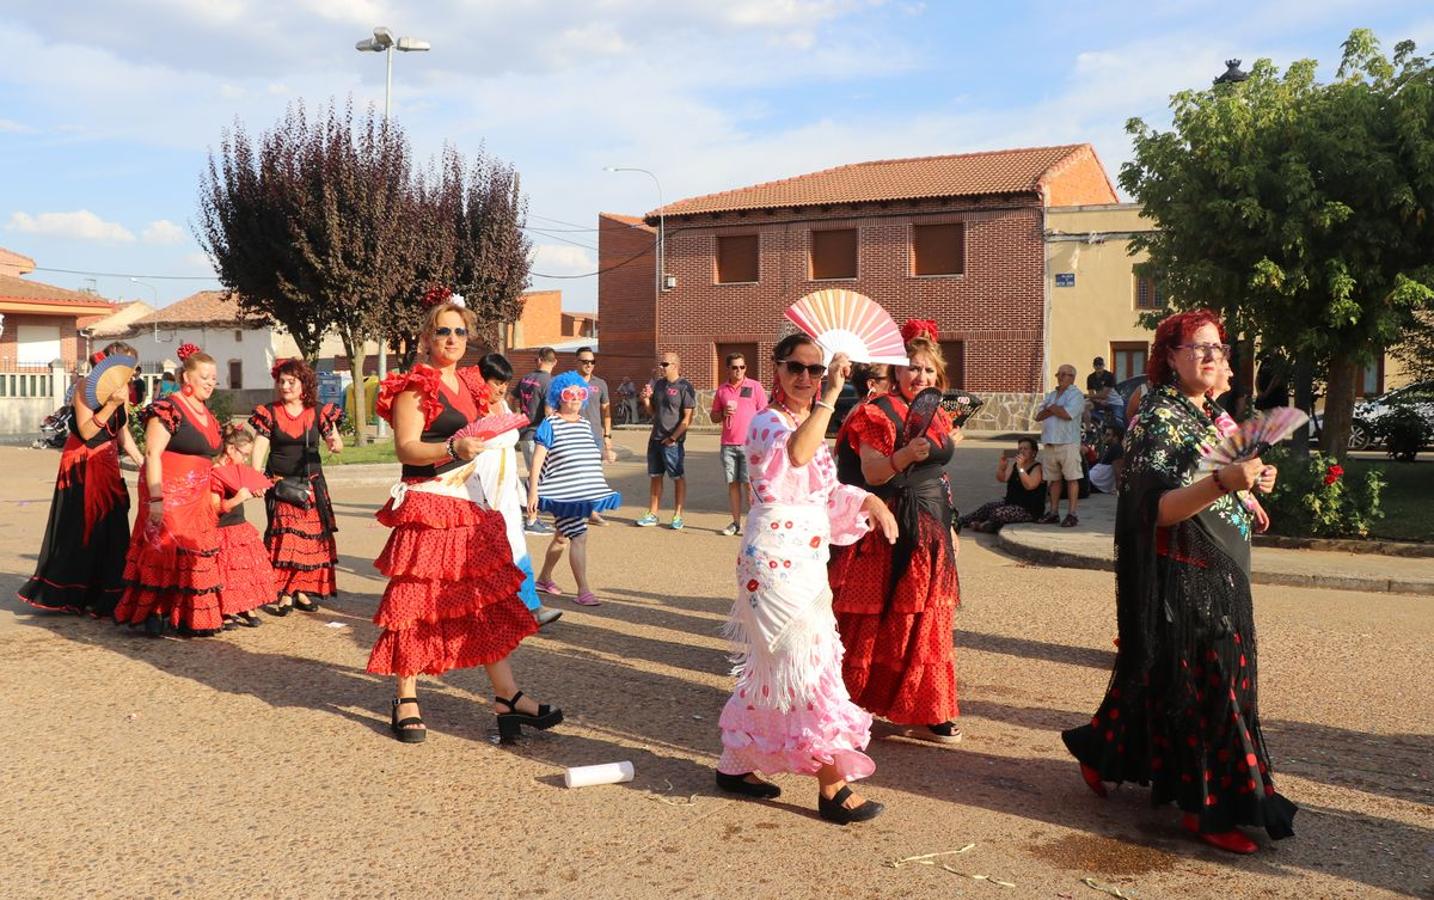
<point>187,390</point>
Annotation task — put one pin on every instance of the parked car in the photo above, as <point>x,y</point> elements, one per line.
<point>1418,396</point>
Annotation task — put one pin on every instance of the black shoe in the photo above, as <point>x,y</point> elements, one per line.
<point>400,728</point>
<point>277,609</point>
<point>833,811</point>
<point>248,620</point>
<point>304,604</point>
<point>230,623</point>
<point>510,723</point>
<point>154,625</point>
<point>738,784</point>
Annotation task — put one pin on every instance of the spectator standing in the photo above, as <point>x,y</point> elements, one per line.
<point>670,401</point>
<point>598,411</point>
<point>137,387</point>
<point>627,392</point>
<point>735,403</point>
<point>1020,472</point>
<point>531,398</point>
<point>1059,416</point>
<point>167,385</point>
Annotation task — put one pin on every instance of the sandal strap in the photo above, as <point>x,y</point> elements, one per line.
<point>511,704</point>
<point>840,797</point>
<point>411,720</point>
<point>398,701</point>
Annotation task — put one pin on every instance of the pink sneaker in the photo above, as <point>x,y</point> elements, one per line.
<point>549,587</point>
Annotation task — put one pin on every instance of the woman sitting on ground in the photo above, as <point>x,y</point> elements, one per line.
<point>1025,491</point>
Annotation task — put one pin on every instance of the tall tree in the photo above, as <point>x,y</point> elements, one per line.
<point>1300,210</point>
<point>494,254</point>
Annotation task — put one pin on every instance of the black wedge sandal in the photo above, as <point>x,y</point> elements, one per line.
<point>510,723</point>
<point>400,727</point>
<point>834,810</point>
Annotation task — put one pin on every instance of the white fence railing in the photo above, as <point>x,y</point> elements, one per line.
<point>27,395</point>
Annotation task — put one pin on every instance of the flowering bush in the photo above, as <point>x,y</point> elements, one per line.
<point>1313,498</point>
<point>1402,431</point>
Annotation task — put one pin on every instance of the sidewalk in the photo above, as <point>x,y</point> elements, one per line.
<point>1090,545</point>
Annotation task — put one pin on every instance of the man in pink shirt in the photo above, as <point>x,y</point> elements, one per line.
<point>735,403</point>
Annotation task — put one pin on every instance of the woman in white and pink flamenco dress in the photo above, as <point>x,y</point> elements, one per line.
<point>790,711</point>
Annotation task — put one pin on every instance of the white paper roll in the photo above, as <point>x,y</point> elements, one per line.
<point>606,773</point>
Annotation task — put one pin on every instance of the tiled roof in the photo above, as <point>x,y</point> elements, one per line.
<point>26,291</point>
<point>203,308</point>
<point>19,260</point>
<point>626,220</point>
<point>960,175</point>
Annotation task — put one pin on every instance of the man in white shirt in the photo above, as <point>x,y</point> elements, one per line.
<point>1060,416</point>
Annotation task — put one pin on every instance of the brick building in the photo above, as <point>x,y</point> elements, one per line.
<point>958,239</point>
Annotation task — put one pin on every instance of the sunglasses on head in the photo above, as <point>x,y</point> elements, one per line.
<point>445,331</point>
<point>816,370</point>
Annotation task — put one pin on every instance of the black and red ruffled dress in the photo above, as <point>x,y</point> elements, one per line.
<point>173,570</point>
<point>896,604</point>
<point>452,597</point>
<point>244,567</point>
<point>300,541</point>
<point>81,564</point>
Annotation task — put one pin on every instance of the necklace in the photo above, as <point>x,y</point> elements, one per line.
<point>788,410</point>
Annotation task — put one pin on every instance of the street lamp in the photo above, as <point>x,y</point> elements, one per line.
<point>154,291</point>
<point>662,280</point>
<point>384,42</point>
<point>1232,74</point>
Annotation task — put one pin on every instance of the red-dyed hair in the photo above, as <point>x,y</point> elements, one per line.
<point>308,381</point>
<point>1176,329</point>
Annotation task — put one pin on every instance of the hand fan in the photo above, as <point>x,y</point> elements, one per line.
<point>235,476</point>
<point>961,406</point>
<point>847,322</point>
<point>920,413</point>
<point>492,426</point>
<point>1255,435</point>
<point>106,377</point>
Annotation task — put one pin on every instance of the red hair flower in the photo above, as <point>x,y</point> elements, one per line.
<point>97,357</point>
<point>915,328</point>
<point>186,350</point>
<point>436,295</point>
<point>278,364</point>
<point>1332,474</point>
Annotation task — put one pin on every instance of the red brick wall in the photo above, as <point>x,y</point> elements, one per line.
<point>72,345</point>
<point>1080,181</point>
<point>626,314</point>
<point>542,320</point>
<point>995,307</point>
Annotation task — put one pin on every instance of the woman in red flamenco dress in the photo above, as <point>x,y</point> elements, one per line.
<point>300,540</point>
<point>81,563</point>
<point>172,572</point>
<point>895,604</point>
<point>452,598</point>
<point>243,559</point>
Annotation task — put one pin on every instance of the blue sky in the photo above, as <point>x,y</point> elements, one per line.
<point>107,111</point>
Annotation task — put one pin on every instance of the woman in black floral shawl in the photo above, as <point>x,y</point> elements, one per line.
<point>1181,711</point>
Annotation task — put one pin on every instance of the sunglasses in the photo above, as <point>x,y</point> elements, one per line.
<point>663,365</point>
<point>574,393</point>
<point>738,368</point>
<point>445,331</point>
<point>587,362</point>
<point>816,370</point>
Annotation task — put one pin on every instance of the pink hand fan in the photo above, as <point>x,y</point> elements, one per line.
<point>844,321</point>
<point>1254,437</point>
<point>492,426</point>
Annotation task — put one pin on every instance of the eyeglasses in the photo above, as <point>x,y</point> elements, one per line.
<point>816,370</point>
<point>445,331</point>
<point>587,362</point>
<point>1213,351</point>
<point>574,393</point>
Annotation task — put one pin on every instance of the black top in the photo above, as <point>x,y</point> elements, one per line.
<point>186,436</point>
<point>458,410</point>
<point>294,440</point>
<point>108,431</point>
<point>1098,381</point>
<point>1032,500</point>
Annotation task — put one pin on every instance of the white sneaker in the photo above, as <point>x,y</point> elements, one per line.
<point>544,615</point>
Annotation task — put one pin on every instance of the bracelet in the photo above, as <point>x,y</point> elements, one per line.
<point>452,452</point>
<point>824,405</point>
<point>1220,484</point>
<point>891,460</point>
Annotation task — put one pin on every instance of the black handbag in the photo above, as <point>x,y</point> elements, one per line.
<point>294,489</point>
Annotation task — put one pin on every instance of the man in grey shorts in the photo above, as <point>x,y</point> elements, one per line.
<point>1059,416</point>
<point>736,401</point>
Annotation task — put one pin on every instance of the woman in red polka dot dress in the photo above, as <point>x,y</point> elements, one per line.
<point>1181,712</point>
<point>896,605</point>
<point>452,598</point>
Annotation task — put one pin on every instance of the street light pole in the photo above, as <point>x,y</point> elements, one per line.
<point>154,291</point>
<point>661,224</point>
<point>384,42</point>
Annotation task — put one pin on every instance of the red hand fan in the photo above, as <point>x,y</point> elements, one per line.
<point>492,426</point>
<point>235,477</point>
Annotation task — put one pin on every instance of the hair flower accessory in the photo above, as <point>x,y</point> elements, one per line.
<point>186,350</point>
<point>278,364</point>
<point>436,295</point>
<point>97,357</point>
<point>458,300</point>
<point>918,328</point>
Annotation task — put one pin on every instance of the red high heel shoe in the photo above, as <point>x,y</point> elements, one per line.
<point>1232,841</point>
<point>1092,780</point>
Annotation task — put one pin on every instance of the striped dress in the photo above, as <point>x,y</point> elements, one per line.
<point>571,484</point>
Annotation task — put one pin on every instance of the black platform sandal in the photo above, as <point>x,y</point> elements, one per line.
<point>833,811</point>
<point>510,723</point>
<point>738,784</point>
<point>400,727</point>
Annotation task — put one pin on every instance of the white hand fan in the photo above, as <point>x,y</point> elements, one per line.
<point>847,322</point>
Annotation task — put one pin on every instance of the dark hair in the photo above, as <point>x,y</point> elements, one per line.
<point>733,357</point>
<point>863,374</point>
<point>1171,331</point>
<point>121,348</point>
<point>585,350</point>
<point>308,381</point>
<point>789,343</point>
<point>1028,440</point>
<point>547,354</point>
<point>1116,429</point>
<point>495,367</point>
<point>167,376</point>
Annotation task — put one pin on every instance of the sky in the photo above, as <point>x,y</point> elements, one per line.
<point>108,112</point>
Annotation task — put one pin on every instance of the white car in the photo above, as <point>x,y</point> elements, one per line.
<point>1418,396</point>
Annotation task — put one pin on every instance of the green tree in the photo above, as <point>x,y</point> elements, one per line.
<point>1299,210</point>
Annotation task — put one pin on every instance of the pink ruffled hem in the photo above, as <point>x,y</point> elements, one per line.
<point>830,730</point>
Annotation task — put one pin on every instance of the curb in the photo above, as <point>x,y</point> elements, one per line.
<point>1066,559</point>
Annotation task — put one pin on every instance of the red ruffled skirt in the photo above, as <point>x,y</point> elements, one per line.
<point>301,550</point>
<point>173,570</point>
<point>244,569</point>
<point>900,660</point>
<point>452,597</point>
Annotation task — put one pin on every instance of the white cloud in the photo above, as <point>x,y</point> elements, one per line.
<point>13,127</point>
<point>562,259</point>
<point>162,231</point>
<point>80,225</point>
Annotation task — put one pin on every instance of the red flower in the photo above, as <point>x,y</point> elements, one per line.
<point>97,357</point>
<point>1332,474</point>
<point>436,295</point>
<point>186,350</point>
<point>915,328</point>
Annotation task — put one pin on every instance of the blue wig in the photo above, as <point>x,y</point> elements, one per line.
<point>562,383</point>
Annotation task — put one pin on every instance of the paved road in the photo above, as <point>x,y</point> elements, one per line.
<point>258,763</point>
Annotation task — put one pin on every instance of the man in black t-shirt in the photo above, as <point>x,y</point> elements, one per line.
<point>670,400</point>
